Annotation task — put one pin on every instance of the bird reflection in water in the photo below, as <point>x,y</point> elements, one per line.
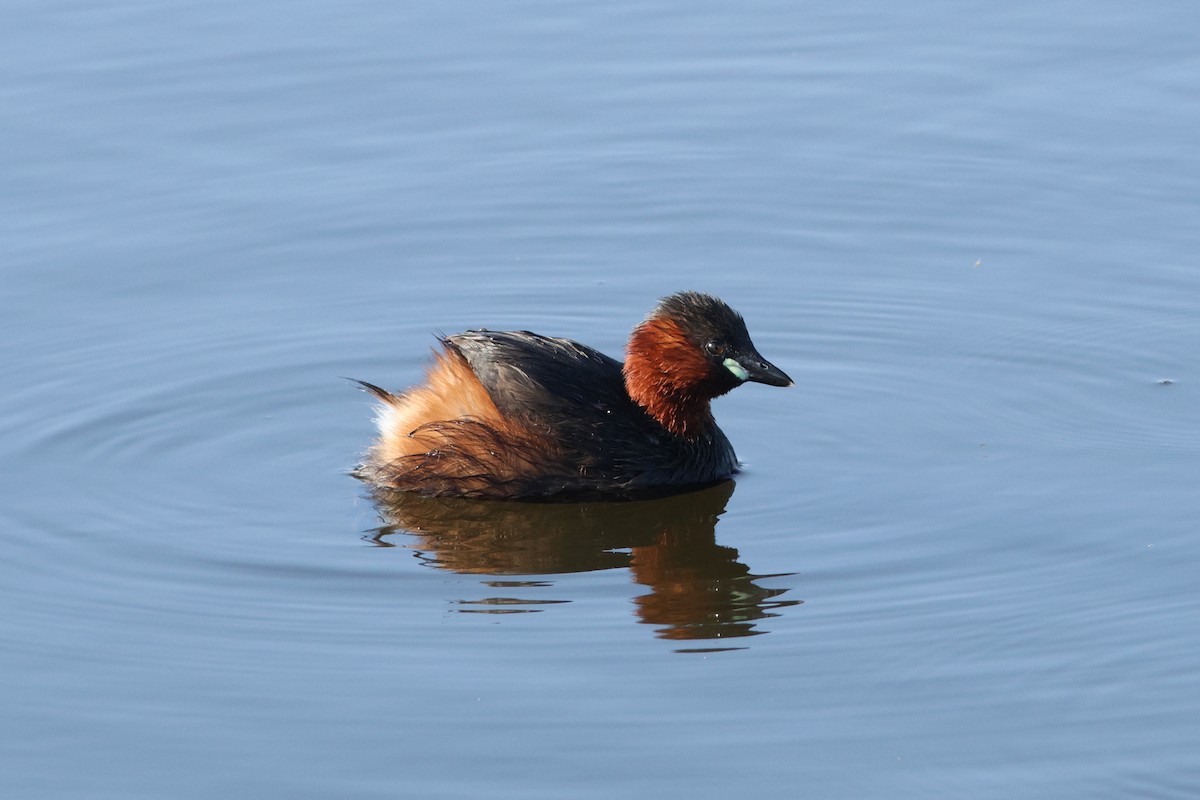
<point>698,589</point>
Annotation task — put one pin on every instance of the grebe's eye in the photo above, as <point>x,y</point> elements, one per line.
<point>714,348</point>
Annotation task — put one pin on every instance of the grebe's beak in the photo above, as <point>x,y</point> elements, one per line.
<point>753,367</point>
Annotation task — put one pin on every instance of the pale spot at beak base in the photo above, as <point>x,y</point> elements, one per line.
<point>737,369</point>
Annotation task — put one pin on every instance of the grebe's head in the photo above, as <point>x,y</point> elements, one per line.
<point>692,348</point>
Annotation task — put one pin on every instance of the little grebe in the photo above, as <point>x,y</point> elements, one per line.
<point>516,415</point>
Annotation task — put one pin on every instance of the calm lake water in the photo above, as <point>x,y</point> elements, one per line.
<point>962,558</point>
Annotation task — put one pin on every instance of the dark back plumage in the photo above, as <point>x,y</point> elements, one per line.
<point>540,378</point>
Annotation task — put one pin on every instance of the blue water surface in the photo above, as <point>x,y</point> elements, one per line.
<point>960,561</point>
